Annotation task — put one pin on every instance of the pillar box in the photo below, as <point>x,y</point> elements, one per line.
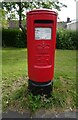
<point>41,42</point>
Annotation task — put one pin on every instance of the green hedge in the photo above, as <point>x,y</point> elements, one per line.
<point>66,39</point>
<point>13,38</point>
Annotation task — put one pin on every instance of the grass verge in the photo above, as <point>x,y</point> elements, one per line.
<point>15,82</point>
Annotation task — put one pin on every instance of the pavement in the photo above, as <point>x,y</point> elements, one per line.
<point>40,114</point>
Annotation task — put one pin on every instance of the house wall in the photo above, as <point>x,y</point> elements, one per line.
<point>61,25</point>
<point>72,26</point>
<point>15,24</point>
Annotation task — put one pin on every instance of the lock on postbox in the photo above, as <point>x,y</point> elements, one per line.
<point>41,42</point>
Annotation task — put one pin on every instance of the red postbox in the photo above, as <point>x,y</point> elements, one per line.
<point>41,42</point>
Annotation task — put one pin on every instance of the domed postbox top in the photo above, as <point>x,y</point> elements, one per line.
<point>42,11</point>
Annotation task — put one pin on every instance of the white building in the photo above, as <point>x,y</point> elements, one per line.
<point>73,25</point>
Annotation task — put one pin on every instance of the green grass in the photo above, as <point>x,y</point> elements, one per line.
<point>15,82</point>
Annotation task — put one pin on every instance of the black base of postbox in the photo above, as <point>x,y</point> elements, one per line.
<point>40,88</point>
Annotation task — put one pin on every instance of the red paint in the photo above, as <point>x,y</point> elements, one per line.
<point>41,52</point>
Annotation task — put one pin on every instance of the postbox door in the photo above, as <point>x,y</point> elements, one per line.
<point>43,44</point>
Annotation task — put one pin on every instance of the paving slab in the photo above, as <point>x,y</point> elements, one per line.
<point>67,115</point>
<point>48,114</point>
<point>40,114</point>
<point>15,114</point>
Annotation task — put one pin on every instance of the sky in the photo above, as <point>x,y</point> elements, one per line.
<point>70,11</point>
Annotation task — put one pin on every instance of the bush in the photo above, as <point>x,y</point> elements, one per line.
<point>66,39</point>
<point>13,38</point>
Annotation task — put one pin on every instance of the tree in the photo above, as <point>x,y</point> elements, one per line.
<point>3,21</point>
<point>19,7</point>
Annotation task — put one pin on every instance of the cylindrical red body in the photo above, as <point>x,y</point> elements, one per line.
<point>41,42</point>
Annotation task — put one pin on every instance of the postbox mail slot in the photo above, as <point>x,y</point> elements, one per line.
<point>43,21</point>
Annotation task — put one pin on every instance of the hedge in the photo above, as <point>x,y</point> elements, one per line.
<point>66,39</point>
<point>13,38</point>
